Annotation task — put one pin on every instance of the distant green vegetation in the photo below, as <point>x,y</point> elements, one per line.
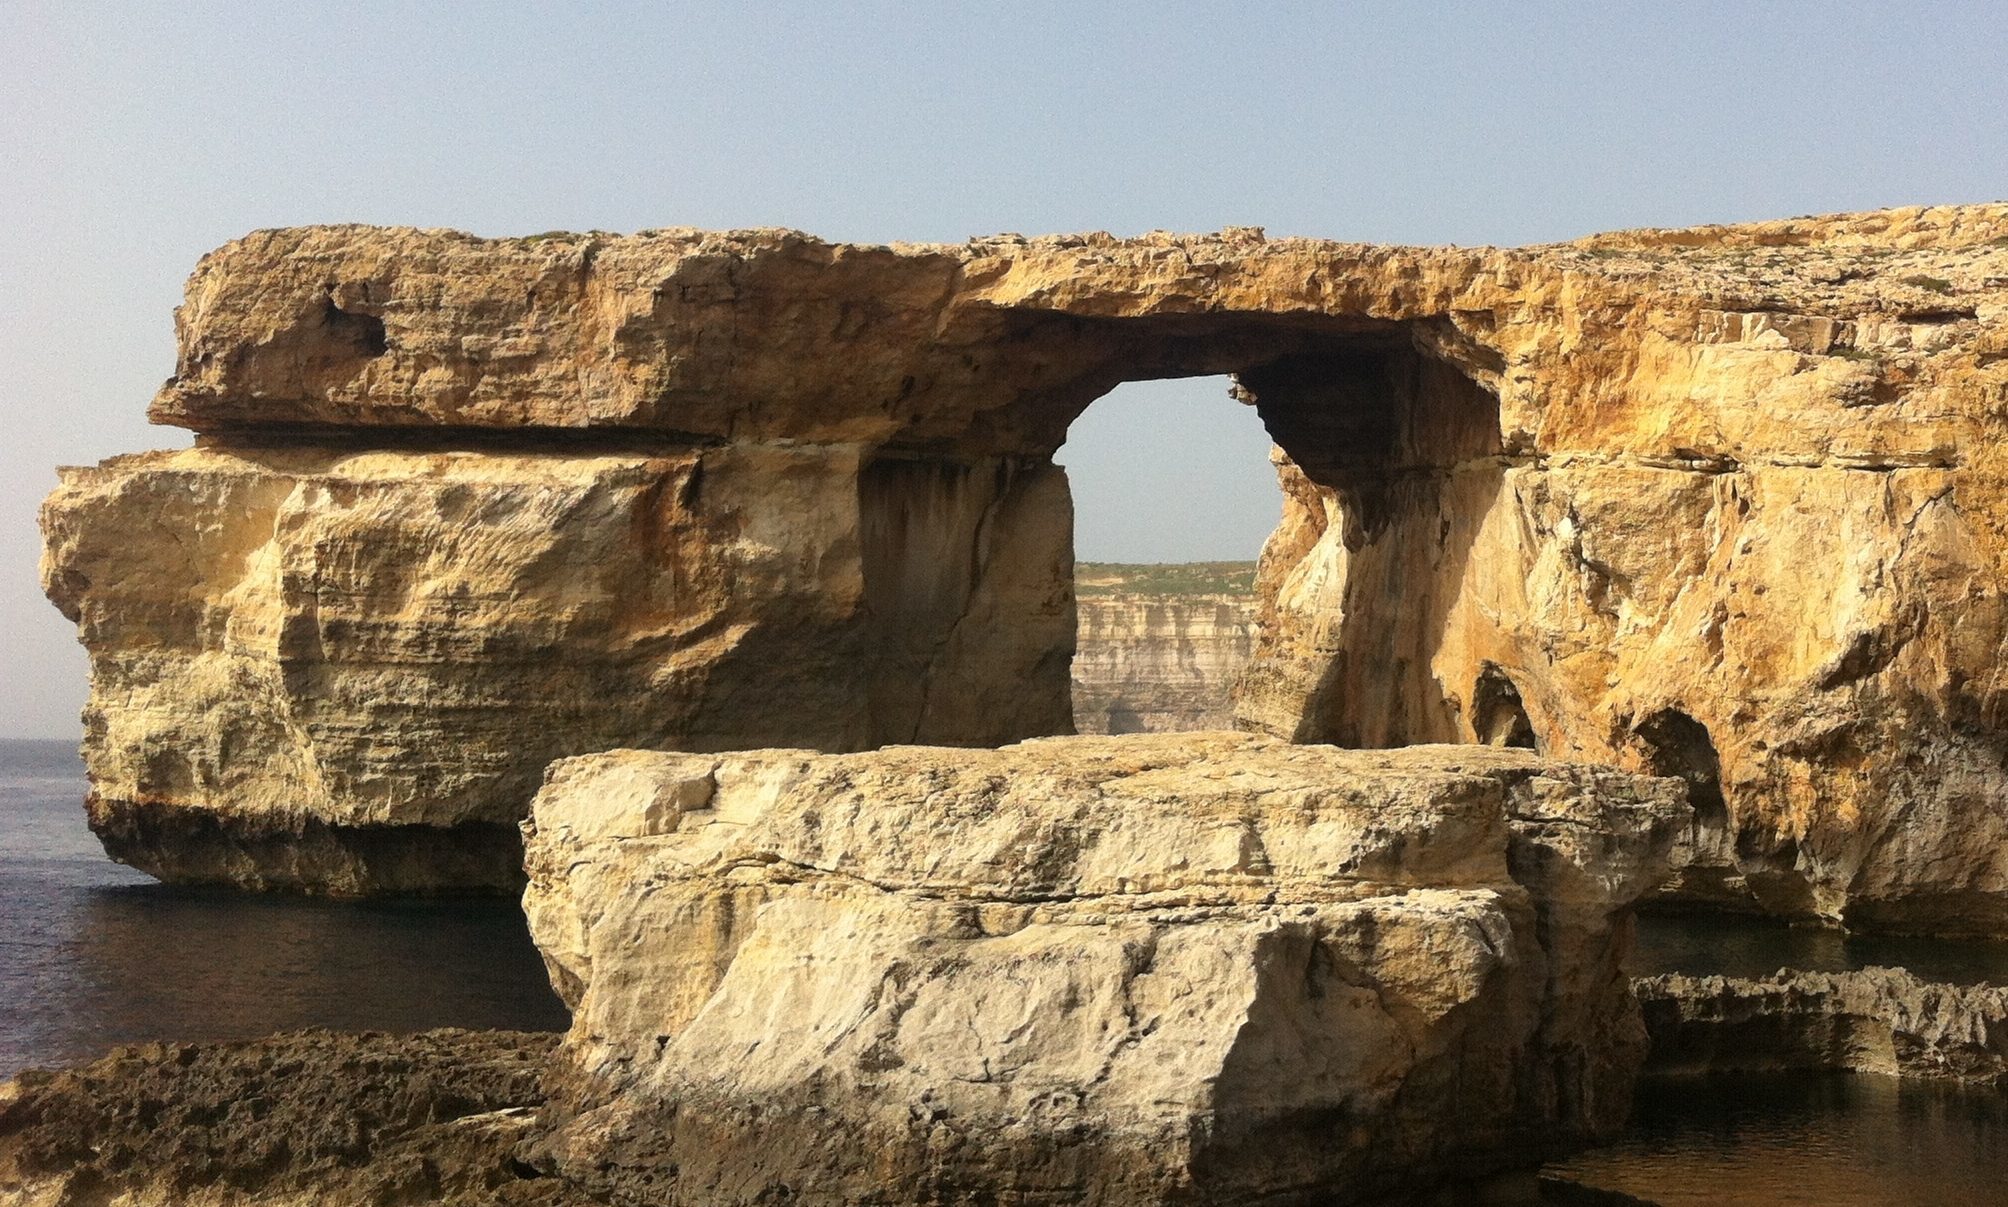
<point>1164,578</point>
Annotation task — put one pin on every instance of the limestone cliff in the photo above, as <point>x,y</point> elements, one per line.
<point>1157,655</point>
<point>1726,503</point>
<point>1152,969</point>
<point>344,669</point>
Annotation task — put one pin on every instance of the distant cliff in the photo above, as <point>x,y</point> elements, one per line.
<point>1159,647</point>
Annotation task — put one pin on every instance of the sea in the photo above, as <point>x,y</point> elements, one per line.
<point>93,955</point>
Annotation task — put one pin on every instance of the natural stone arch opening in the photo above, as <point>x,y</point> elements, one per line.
<point>1390,459</point>
<point>1171,471</point>
<point>1162,472</point>
<point>526,498</point>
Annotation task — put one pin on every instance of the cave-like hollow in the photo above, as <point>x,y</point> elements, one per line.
<point>1394,458</point>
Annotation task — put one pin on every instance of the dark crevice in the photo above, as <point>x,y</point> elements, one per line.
<point>1678,745</point>
<point>1369,419</point>
<point>1410,446</point>
<point>1498,715</point>
<point>364,332</point>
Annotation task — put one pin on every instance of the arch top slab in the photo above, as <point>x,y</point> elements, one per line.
<point>981,348</point>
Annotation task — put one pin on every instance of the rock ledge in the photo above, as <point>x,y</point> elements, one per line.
<point>1873,1020</point>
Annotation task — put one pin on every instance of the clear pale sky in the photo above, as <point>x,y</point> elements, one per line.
<point>137,136</point>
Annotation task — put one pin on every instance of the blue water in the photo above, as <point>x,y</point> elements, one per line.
<point>93,954</point>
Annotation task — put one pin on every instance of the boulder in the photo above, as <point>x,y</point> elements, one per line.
<point>1187,968</point>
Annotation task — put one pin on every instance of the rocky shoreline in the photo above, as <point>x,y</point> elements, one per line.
<point>1124,971</point>
<point>320,1119</point>
<point>301,1118</point>
<point>476,1119</point>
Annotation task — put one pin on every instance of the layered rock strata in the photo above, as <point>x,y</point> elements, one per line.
<point>1153,969</point>
<point>1159,663</point>
<point>344,669</point>
<point>1723,503</point>
<point>1872,1020</point>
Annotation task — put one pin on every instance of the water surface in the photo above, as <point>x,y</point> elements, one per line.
<point>93,954</point>
<point>1807,1140</point>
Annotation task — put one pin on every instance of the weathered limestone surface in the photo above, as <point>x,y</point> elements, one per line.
<point>1873,1020</point>
<point>1159,663</point>
<point>344,669</point>
<point>1150,969</point>
<point>1745,526</point>
<point>1726,503</point>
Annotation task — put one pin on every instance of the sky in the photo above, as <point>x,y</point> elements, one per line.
<point>135,137</point>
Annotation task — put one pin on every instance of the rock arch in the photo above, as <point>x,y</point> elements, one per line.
<point>459,506</point>
<point>1403,444</point>
<point>1678,745</point>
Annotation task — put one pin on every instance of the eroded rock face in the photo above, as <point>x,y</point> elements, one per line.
<point>1724,503</point>
<point>1152,969</point>
<point>1872,1020</point>
<point>1742,524</point>
<point>344,669</point>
